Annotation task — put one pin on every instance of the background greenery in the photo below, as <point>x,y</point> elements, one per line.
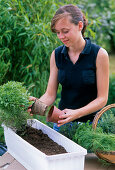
<point>26,41</point>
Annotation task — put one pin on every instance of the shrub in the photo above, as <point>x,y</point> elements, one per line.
<point>2,140</point>
<point>26,41</point>
<point>111,98</point>
<point>14,101</point>
<point>3,70</point>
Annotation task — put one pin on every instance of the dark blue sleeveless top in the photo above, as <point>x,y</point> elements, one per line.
<point>78,80</point>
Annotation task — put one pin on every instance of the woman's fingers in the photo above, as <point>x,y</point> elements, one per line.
<point>62,122</point>
<point>31,98</point>
<point>63,116</point>
<point>29,108</point>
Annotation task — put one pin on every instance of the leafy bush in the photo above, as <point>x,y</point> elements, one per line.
<point>69,129</point>
<point>2,140</point>
<point>26,41</point>
<point>14,101</point>
<point>102,17</point>
<point>111,98</point>
<point>3,70</point>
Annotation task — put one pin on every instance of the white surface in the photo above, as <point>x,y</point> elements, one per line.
<point>33,159</point>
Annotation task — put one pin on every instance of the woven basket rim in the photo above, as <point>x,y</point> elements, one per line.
<point>99,114</point>
<point>106,152</point>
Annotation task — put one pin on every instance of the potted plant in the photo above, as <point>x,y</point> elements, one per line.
<point>14,101</point>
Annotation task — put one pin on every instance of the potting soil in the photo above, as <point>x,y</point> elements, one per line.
<point>41,141</point>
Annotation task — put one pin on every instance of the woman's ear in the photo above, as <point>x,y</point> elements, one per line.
<point>80,24</point>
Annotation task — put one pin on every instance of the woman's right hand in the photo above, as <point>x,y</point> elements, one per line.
<point>31,98</point>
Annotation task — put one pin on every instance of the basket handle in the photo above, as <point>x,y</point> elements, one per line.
<point>99,114</point>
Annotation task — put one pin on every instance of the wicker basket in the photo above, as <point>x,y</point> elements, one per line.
<point>108,156</point>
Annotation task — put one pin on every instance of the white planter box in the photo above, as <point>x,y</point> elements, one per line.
<point>33,159</point>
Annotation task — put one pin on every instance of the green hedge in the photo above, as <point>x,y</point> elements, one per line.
<point>26,41</point>
<point>111,98</point>
<point>3,70</point>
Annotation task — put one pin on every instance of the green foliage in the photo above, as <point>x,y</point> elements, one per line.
<point>69,129</point>
<point>3,70</point>
<point>111,98</point>
<point>101,16</point>
<point>107,121</point>
<point>14,101</point>
<point>101,139</point>
<point>2,140</point>
<point>26,41</point>
<point>94,140</point>
<point>104,142</point>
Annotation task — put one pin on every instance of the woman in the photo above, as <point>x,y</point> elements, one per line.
<point>81,67</point>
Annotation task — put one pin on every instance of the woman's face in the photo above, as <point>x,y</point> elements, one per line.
<point>68,32</point>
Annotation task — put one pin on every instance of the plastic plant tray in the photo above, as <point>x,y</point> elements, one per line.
<point>33,159</point>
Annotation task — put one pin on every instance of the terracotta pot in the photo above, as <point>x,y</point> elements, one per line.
<point>53,114</point>
<point>38,107</point>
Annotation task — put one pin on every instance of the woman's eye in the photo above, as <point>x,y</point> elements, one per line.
<point>65,32</point>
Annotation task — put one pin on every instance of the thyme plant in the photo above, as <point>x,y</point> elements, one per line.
<point>14,101</point>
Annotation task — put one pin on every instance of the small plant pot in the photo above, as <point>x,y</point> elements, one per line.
<point>39,108</point>
<point>53,114</point>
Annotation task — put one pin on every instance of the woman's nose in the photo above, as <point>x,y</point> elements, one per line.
<point>61,36</point>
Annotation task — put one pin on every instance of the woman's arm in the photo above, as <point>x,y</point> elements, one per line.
<point>50,95</point>
<point>102,74</point>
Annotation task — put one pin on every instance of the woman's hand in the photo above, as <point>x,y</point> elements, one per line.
<point>69,116</point>
<point>31,98</point>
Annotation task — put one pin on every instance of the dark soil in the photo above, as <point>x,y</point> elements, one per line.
<point>41,141</point>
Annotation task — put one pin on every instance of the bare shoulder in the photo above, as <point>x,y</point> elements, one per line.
<point>52,55</point>
<point>52,60</point>
<point>102,56</point>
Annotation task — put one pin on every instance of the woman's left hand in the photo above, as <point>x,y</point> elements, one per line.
<point>69,116</point>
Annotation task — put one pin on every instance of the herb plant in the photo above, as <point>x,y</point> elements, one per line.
<point>94,140</point>
<point>107,121</point>
<point>14,101</point>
